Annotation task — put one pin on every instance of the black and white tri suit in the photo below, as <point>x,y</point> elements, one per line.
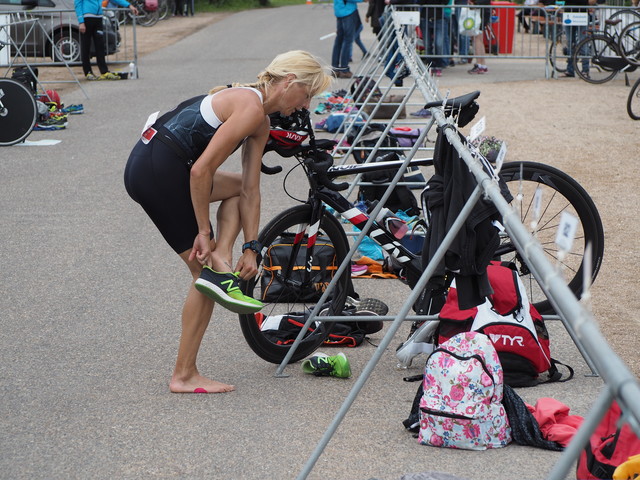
<point>157,173</point>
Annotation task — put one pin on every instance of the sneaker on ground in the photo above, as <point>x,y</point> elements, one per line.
<point>424,113</point>
<point>109,76</point>
<point>223,289</point>
<point>367,306</point>
<point>322,364</point>
<point>478,69</point>
<point>344,74</point>
<point>90,76</point>
<point>436,72</point>
<point>52,123</point>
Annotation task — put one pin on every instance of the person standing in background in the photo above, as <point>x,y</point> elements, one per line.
<point>89,13</point>
<point>478,41</point>
<point>348,19</point>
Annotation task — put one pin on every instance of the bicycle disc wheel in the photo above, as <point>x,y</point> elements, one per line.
<point>295,298</point>
<point>17,112</point>
<point>633,101</point>
<point>630,43</point>
<point>597,59</point>
<point>558,193</point>
<point>558,52</point>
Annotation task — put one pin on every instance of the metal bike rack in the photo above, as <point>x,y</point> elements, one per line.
<point>620,384</point>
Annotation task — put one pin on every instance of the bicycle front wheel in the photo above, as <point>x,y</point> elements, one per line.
<point>633,102</point>
<point>287,289</point>
<point>541,212</point>
<point>630,43</point>
<point>596,58</point>
<point>17,112</point>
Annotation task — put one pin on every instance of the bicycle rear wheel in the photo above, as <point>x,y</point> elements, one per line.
<point>145,18</point>
<point>633,101</point>
<point>559,193</point>
<point>296,299</point>
<point>596,58</point>
<point>17,112</point>
<point>558,51</point>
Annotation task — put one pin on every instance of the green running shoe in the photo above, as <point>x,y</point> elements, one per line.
<point>322,364</point>
<point>223,289</point>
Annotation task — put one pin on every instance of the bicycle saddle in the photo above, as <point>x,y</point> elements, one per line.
<point>457,102</point>
<point>463,107</point>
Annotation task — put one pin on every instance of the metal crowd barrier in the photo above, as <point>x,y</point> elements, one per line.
<point>50,38</point>
<point>515,32</point>
<point>620,384</point>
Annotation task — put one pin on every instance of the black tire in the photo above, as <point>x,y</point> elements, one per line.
<point>560,193</point>
<point>633,101</point>
<point>66,46</point>
<point>599,54</point>
<point>558,52</point>
<point>17,112</point>
<point>287,222</point>
<point>630,43</point>
<point>627,16</point>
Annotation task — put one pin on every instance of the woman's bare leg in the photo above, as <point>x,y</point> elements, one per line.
<point>198,308</point>
<point>226,188</point>
<point>196,315</point>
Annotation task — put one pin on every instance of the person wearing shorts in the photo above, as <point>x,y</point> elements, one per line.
<point>173,173</point>
<point>478,41</point>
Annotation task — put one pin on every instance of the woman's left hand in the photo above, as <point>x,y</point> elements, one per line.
<point>247,265</point>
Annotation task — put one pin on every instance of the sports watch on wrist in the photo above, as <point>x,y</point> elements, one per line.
<point>253,245</point>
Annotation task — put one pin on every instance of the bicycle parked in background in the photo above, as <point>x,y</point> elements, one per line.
<point>601,55</point>
<point>542,193</point>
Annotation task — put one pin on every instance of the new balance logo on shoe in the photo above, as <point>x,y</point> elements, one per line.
<point>223,288</point>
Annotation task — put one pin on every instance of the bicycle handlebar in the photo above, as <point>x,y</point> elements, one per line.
<point>320,165</point>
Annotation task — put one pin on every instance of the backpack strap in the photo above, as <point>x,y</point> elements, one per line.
<point>554,375</point>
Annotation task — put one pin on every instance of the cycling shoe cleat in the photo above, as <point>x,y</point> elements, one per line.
<point>223,289</point>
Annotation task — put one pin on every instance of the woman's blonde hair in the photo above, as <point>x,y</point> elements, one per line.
<point>307,68</point>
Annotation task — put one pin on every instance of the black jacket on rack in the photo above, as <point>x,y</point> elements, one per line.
<point>476,243</point>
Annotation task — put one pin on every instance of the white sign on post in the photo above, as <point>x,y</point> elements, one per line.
<point>407,18</point>
<point>575,19</point>
<point>4,40</point>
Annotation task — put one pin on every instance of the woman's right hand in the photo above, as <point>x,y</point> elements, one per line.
<point>201,251</point>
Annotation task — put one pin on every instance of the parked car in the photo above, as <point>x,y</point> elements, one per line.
<point>57,36</point>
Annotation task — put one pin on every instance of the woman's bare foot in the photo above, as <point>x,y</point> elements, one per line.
<point>199,384</point>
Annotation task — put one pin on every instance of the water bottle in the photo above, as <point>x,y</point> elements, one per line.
<point>133,74</point>
<point>396,226</point>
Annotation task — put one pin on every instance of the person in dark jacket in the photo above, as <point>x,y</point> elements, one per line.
<point>89,13</point>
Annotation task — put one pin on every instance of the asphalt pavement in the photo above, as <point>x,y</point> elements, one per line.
<point>91,298</point>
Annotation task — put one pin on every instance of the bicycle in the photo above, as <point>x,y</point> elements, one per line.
<point>18,112</point>
<point>311,220</point>
<point>630,47</point>
<point>598,58</point>
<point>633,101</point>
<point>614,25</point>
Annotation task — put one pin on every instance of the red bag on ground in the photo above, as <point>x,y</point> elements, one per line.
<point>610,445</point>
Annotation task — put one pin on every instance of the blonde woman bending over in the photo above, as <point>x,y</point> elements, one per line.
<point>173,174</point>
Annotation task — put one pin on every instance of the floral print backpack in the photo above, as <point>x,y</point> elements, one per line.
<point>461,406</point>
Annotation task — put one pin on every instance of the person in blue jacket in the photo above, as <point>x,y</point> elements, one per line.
<point>89,13</point>
<point>348,20</point>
